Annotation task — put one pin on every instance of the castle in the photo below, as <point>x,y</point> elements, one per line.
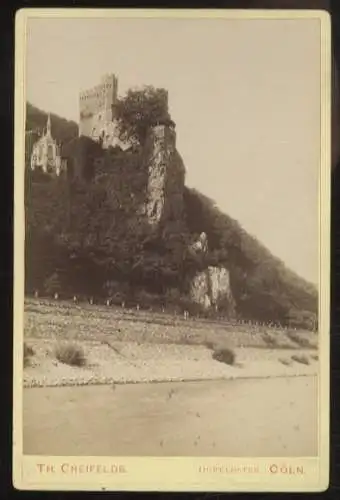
<point>97,133</point>
<point>91,151</point>
<point>46,152</point>
<point>145,185</point>
<point>97,125</point>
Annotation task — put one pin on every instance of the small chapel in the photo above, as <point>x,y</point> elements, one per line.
<point>46,152</point>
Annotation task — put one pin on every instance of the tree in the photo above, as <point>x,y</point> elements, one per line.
<point>139,110</point>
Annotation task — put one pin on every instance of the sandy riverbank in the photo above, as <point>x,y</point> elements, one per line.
<point>264,403</point>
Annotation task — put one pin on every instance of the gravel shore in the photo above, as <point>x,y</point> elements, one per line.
<point>124,346</point>
<point>131,362</point>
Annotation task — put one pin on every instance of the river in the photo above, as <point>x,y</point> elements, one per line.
<point>235,418</point>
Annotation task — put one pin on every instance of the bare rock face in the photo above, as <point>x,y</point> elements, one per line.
<point>211,288</point>
<point>220,289</point>
<point>199,289</point>
<point>165,187</point>
<point>200,246</point>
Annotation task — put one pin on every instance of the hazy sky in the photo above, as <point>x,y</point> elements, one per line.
<point>245,96</point>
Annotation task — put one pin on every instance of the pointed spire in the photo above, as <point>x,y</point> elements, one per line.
<point>48,126</point>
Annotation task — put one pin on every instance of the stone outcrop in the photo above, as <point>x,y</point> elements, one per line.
<point>200,289</point>
<point>200,246</point>
<point>164,197</point>
<point>220,289</point>
<point>211,289</point>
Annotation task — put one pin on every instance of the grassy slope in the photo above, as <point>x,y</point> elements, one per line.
<point>61,320</point>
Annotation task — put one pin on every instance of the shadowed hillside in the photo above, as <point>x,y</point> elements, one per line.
<point>90,237</point>
<point>264,288</point>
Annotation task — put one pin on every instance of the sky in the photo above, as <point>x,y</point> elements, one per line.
<point>245,96</point>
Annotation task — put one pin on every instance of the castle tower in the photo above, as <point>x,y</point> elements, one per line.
<point>97,108</point>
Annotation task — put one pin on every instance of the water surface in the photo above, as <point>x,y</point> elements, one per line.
<point>253,417</point>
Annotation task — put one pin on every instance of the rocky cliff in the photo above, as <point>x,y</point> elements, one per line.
<point>166,172</point>
<point>210,288</point>
<point>145,191</point>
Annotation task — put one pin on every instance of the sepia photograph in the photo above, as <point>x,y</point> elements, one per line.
<point>171,280</point>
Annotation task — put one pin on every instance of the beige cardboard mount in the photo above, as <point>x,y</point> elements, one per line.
<point>173,473</point>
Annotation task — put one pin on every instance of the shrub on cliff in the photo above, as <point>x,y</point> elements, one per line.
<point>140,109</point>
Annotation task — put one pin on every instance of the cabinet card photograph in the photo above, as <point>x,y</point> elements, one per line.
<point>171,250</point>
